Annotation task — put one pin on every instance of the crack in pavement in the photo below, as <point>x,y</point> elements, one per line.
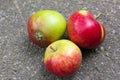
<point>18,8</point>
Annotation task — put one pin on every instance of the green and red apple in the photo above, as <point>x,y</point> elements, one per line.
<point>46,26</point>
<point>84,30</point>
<point>62,58</point>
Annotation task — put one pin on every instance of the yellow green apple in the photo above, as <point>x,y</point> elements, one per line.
<point>62,58</point>
<point>46,26</point>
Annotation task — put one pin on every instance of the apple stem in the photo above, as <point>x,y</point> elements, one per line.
<point>97,16</point>
<point>53,48</point>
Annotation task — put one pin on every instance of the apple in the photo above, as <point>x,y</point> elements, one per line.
<point>62,58</point>
<point>84,30</point>
<point>46,26</point>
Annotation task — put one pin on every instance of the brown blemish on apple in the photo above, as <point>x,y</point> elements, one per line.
<point>37,24</point>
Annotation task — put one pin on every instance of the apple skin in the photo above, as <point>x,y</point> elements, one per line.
<point>46,26</point>
<point>63,58</point>
<point>84,30</point>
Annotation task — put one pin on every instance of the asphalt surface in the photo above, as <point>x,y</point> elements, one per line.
<point>20,59</point>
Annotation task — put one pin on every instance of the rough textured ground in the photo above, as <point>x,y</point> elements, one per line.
<point>20,59</point>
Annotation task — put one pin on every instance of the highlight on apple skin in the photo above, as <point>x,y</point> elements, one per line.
<point>84,30</point>
<point>63,58</point>
<point>46,26</point>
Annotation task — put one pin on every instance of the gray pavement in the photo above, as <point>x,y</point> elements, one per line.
<point>20,59</point>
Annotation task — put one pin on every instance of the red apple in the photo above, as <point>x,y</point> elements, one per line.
<point>46,26</point>
<point>84,30</point>
<point>62,58</point>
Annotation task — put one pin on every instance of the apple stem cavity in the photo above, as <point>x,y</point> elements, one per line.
<point>53,49</point>
<point>39,35</point>
<point>97,16</point>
